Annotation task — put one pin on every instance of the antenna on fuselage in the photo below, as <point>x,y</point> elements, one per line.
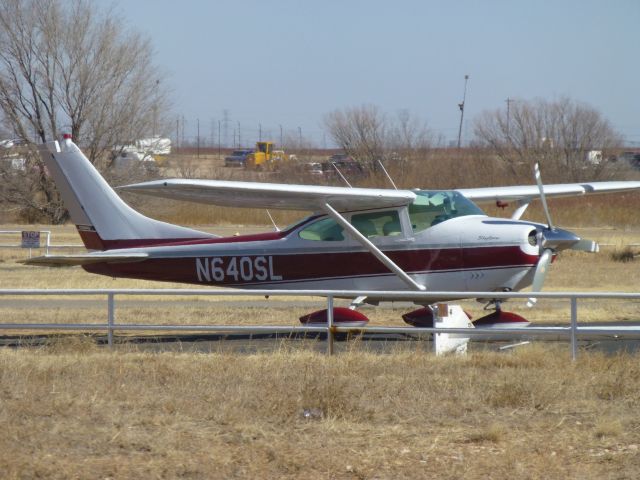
<point>341,175</point>
<point>386,173</point>
<point>272,221</point>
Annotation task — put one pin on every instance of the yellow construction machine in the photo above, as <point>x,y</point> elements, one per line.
<point>265,157</point>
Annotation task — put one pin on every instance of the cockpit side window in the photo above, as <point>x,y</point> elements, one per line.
<point>324,230</point>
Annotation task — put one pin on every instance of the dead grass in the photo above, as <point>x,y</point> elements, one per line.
<point>608,428</point>
<point>624,255</point>
<point>78,413</point>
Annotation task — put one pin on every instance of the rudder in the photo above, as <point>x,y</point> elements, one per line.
<point>104,221</point>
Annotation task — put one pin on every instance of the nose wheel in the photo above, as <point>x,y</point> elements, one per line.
<point>495,304</point>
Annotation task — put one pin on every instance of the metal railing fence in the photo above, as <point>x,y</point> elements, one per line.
<point>573,331</point>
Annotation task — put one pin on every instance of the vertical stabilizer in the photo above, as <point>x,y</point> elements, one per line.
<point>103,220</point>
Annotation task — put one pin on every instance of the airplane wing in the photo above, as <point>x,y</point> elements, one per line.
<point>273,195</point>
<point>82,259</point>
<point>527,193</point>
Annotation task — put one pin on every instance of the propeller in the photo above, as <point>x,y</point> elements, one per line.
<point>543,198</point>
<point>540,274</point>
<point>552,240</point>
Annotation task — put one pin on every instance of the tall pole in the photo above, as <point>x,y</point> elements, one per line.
<point>281,144</point>
<point>239,142</point>
<point>212,139</point>
<point>198,137</point>
<point>259,132</point>
<point>177,133</point>
<point>461,107</point>
<point>299,137</point>
<point>182,139</point>
<point>225,125</point>
<point>219,139</point>
<point>508,100</point>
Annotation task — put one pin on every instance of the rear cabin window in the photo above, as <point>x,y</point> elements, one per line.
<point>325,230</point>
<point>377,224</point>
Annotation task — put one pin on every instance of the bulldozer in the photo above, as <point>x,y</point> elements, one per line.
<point>265,157</point>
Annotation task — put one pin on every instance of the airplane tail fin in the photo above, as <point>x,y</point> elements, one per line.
<point>104,221</point>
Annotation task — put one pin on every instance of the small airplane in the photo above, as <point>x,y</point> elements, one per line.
<point>356,238</point>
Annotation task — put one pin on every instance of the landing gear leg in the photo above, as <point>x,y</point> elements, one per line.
<point>495,304</point>
<point>357,302</point>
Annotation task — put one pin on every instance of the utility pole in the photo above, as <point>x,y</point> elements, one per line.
<point>225,125</point>
<point>219,139</point>
<point>259,132</point>
<point>508,100</point>
<point>281,144</point>
<point>212,139</point>
<point>299,137</point>
<point>155,109</point>
<point>198,137</point>
<point>461,107</point>
<point>239,142</point>
<point>182,140</point>
<point>177,133</point>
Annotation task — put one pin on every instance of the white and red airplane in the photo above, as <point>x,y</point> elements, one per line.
<point>356,239</point>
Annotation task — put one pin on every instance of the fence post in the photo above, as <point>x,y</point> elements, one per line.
<point>330,325</point>
<point>111,317</point>
<point>574,328</point>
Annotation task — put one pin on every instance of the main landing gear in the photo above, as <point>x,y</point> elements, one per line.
<point>423,317</point>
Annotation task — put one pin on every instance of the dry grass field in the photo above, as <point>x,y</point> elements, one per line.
<point>72,409</point>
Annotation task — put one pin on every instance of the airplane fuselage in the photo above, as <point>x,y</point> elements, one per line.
<point>468,253</point>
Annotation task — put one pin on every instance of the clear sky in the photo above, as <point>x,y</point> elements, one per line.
<point>288,62</point>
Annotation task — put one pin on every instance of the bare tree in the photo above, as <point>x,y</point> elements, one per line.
<point>68,67</point>
<point>409,136</point>
<point>558,134</point>
<point>370,136</point>
<point>360,131</point>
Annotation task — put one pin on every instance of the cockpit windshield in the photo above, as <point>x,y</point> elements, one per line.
<point>435,206</point>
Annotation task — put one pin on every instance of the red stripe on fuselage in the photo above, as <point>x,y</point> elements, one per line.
<point>312,266</point>
<point>92,240</point>
<point>174,242</point>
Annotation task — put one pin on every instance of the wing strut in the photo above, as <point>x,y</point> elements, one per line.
<point>366,243</point>
<point>522,206</point>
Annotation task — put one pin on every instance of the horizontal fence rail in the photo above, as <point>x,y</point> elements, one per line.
<point>572,331</point>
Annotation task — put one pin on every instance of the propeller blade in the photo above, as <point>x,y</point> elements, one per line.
<point>585,245</point>
<point>540,274</point>
<point>543,198</point>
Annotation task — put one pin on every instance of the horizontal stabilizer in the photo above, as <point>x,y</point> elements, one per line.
<point>83,259</point>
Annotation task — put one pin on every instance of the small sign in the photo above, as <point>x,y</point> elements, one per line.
<point>30,239</point>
